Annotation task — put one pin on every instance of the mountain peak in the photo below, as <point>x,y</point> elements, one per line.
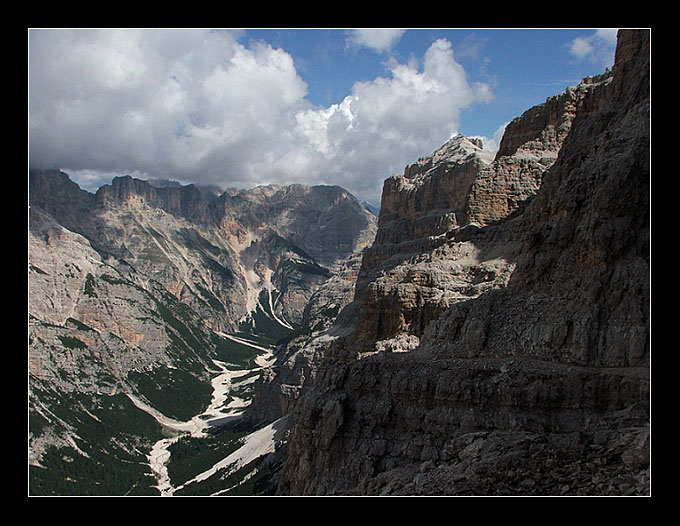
<point>460,146</point>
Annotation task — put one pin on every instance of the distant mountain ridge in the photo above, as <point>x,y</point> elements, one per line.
<point>135,290</point>
<point>322,225</point>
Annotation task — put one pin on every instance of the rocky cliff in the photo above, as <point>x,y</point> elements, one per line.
<point>413,271</point>
<point>499,339</point>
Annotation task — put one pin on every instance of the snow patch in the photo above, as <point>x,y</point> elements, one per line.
<point>256,445</point>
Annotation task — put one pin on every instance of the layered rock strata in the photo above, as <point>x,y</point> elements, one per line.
<point>413,271</point>
<point>537,381</point>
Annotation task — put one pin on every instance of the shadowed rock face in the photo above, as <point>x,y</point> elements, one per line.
<point>528,335</point>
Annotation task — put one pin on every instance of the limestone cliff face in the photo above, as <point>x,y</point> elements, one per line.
<point>527,331</point>
<point>413,272</point>
<point>430,198</point>
<point>88,326</point>
<point>529,146</point>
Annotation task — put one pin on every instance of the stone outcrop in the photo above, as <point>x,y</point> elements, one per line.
<point>526,325</point>
<point>413,271</point>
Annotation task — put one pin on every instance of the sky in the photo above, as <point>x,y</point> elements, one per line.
<point>245,107</point>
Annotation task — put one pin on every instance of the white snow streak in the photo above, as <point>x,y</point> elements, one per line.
<point>255,445</point>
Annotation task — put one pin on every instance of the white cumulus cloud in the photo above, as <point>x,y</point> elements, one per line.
<point>599,47</point>
<point>378,39</point>
<point>389,122</point>
<point>198,106</point>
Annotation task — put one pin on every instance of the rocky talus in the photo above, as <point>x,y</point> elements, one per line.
<point>500,337</point>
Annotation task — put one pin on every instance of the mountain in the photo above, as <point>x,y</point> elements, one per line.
<point>487,334</point>
<point>413,271</point>
<point>142,294</point>
<point>498,342</point>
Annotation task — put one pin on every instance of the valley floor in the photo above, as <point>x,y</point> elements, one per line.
<point>225,408</point>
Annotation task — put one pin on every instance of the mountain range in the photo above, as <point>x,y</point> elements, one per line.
<point>487,334</point>
<point>137,289</point>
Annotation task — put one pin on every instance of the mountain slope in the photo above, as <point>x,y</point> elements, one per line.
<point>140,294</point>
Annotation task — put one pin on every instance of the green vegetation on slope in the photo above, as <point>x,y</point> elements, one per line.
<point>108,454</point>
<point>192,456</point>
<point>176,393</point>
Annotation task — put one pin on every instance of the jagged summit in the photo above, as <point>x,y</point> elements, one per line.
<point>457,150</point>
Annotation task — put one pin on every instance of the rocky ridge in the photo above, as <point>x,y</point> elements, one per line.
<point>413,271</point>
<point>524,310</point>
<point>211,252</point>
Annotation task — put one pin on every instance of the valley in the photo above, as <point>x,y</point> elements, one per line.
<point>487,334</point>
<point>172,314</point>
<point>231,394</point>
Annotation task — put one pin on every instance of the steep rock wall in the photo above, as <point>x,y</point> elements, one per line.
<point>420,262</point>
<point>537,386</point>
